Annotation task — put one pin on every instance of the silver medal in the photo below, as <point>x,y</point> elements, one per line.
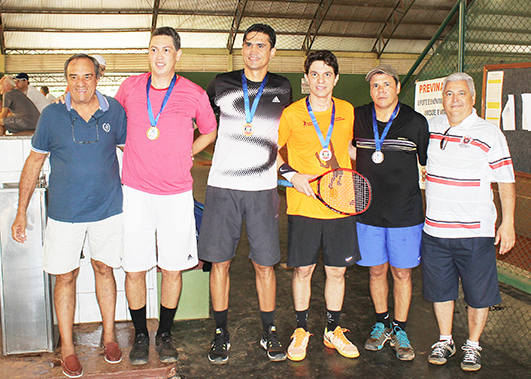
<point>377,157</point>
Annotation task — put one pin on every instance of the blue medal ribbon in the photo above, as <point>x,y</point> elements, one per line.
<point>249,112</point>
<point>152,119</point>
<point>378,141</point>
<point>324,143</point>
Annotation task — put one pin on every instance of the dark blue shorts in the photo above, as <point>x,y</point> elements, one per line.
<point>473,260</point>
<point>336,237</point>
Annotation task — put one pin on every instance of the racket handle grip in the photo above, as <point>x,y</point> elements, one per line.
<point>284,183</point>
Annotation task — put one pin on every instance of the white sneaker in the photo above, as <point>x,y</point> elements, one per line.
<point>298,345</point>
<point>337,340</point>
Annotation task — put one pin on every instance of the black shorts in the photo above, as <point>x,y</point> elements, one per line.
<point>337,237</point>
<point>221,225</point>
<point>445,260</point>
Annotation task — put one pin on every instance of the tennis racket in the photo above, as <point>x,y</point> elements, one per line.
<point>343,190</point>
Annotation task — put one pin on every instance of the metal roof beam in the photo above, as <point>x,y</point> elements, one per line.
<point>44,10</point>
<point>181,12</point>
<point>222,31</point>
<point>318,18</point>
<point>240,8</point>
<point>156,6</point>
<point>396,17</point>
<point>2,41</point>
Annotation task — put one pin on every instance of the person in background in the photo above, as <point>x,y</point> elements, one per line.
<point>18,115</point>
<point>46,92</point>
<point>102,63</point>
<point>22,84</point>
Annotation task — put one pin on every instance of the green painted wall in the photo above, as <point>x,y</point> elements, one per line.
<point>351,87</point>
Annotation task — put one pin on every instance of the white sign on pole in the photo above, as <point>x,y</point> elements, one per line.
<point>428,97</point>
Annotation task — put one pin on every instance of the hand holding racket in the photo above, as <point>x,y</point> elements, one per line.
<point>342,190</point>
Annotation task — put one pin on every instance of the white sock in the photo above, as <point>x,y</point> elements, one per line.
<point>475,345</point>
<point>445,338</point>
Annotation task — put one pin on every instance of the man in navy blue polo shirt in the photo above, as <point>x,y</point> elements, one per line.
<point>85,199</point>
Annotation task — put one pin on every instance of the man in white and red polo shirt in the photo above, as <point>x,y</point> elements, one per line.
<point>465,155</point>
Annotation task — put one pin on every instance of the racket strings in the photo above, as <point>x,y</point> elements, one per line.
<point>345,191</point>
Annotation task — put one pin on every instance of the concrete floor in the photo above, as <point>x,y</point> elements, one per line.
<point>248,359</point>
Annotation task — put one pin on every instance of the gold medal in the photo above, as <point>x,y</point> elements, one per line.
<point>248,129</point>
<point>153,133</point>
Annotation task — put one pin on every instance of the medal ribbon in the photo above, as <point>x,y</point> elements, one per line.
<point>324,143</point>
<point>249,113</point>
<point>378,141</point>
<point>152,119</point>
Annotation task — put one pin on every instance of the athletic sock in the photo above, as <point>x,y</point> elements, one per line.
<point>384,319</point>
<point>302,319</point>
<point>401,324</point>
<point>475,345</point>
<point>166,319</point>
<point>332,320</point>
<point>221,319</point>
<point>268,319</point>
<point>445,338</point>
<point>139,320</point>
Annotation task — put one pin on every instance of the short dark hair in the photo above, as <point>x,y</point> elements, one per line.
<point>262,28</point>
<point>321,55</point>
<point>45,90</point>
<point>170,32</point>
<point>84,56</point>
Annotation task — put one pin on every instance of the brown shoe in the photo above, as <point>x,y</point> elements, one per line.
<point>71,366</point>
<point>112,352</point>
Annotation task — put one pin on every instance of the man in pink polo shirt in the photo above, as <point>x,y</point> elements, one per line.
<point>159,228</point>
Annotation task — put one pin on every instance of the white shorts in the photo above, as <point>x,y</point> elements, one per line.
<point>158,230</point>
<point>63,243</point>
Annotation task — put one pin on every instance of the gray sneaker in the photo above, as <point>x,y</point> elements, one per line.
<point>140,351</point>
<point>471,358</point>
<point>166,349</point>
<point>442,350</point>
<point>400,343</point>
<point>379,336</point>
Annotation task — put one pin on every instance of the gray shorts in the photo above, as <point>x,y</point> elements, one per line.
<point>221,226</point>
<point>17,124</point>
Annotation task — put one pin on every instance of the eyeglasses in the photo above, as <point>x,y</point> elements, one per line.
<point>445,139</point>
<point>80,131</point>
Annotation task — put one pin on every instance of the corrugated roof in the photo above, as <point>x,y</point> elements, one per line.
<point>344,25</point>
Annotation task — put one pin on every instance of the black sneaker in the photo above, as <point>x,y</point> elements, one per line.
<point>471,358</point>
<point>139,353</point>
<point>219,350</point>
<point>442,350</point>
<point>270,342</point>
<point>166,348</point>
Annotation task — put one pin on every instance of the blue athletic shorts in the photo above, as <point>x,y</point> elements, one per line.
<point>398,246</point>
<point>445,260</point>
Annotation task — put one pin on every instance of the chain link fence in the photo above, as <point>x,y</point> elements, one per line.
<point>496,32</point>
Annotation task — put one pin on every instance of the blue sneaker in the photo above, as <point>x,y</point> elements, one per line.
<point>379,336</point>
<point>400,343</point>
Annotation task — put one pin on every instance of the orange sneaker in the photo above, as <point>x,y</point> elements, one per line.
<point>337,340</point>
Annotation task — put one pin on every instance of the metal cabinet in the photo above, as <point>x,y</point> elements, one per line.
<point>25,290</point>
